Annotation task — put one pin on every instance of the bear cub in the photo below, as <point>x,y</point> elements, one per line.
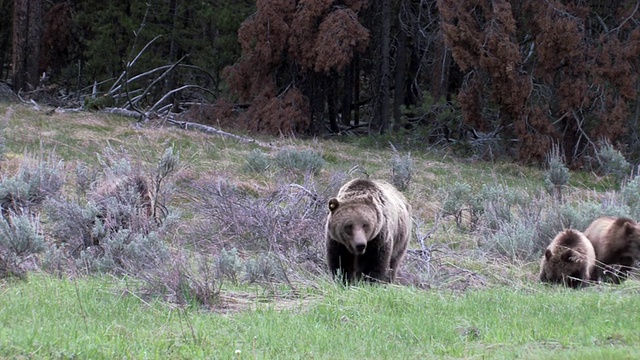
<point>367,231</point>
<point>616,241</point>
<point>569,260</point>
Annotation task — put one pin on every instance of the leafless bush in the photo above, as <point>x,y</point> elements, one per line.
<point>286,224</point>
<point>418,267</point>
<point>187,279</point>
<point>437,269</point>
<point>193,277</point>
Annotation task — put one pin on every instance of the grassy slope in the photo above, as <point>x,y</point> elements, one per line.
<point>511,317</point>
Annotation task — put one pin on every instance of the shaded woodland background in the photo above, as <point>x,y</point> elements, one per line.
<point>515,77</point>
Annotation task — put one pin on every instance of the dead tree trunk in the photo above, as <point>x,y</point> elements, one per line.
<point>27,33</point>
<point>400,75</point>
<point>383,111</point>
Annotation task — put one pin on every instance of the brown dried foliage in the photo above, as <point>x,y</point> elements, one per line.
<point>307,19</point>
<point>280,42</point>
<point>482,36</point>
<point>281,115</point>
<point>340,37</point>
<point>220,113</point>
<point>558,71</point>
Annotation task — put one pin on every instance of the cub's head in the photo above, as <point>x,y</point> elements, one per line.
<point>630,230</point>
<point>353,223</point>
<point>563,266</point>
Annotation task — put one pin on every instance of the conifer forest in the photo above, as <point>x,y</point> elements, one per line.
<point>520,75</point>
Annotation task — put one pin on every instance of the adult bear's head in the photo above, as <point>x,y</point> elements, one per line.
<point>354,223</point>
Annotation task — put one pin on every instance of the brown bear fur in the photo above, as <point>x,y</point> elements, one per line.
<point>569,260</point>
<point>616,241</point>
<point>367,231</point>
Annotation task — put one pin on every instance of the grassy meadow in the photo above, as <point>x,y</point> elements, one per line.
<point>235,268</point>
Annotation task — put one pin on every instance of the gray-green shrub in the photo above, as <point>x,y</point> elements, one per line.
<point>557,174</point>
<point>228,264</point>
<point>401,171</point>
<point>256,162</point>
<point>31,185</point>
<point>305,160</point>
<point>533,223</point>
<point>120,225</point>
<point>262,268</point>
<point>612,162</point>
<point>455,199</point>
<point>20,236</point>
<point>124,252</point>
<point>496,203</point>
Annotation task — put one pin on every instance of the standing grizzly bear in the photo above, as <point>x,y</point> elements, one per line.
<point>617,245</point>
<point>569,260</point>
<point>368,229</point>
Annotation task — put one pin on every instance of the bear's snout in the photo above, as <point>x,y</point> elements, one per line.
<point>360,248</point>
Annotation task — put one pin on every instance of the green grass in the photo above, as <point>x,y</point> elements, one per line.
<point>47,317</point>
<point>502,314</point>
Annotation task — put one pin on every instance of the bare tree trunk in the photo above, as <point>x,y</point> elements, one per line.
<point>382,113</point>
<point>440,69</point>
<point>169,82</point>
<point>332,83</point>
<point>356,89</point>
<point>27,32</point>
<point>347,96</point>
<point>400,75</point>
<point>5,38</point>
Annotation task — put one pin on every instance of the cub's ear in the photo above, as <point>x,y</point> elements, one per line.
<point>547,254</point>
<point>630,228</point>
<point>333,204</point>
<point>567,256</point>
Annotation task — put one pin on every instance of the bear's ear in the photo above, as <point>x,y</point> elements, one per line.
<point>630,228</point>
<point>547,254</point>
<point>333,204</point>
